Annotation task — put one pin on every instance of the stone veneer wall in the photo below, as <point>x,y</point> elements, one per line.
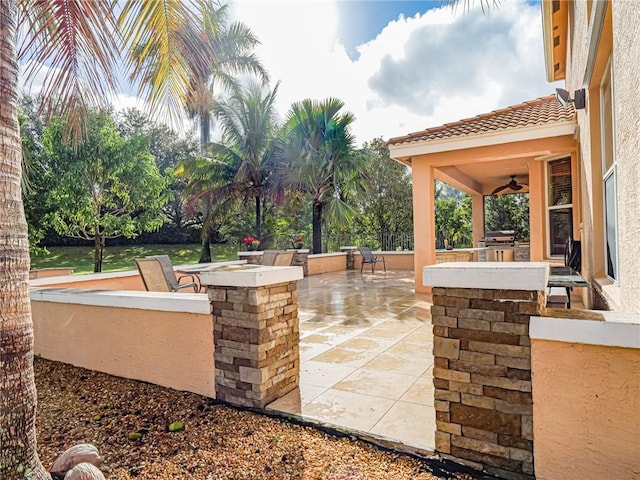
<point>256,337</point>
<point>301,259</point>
<point>482,378</point>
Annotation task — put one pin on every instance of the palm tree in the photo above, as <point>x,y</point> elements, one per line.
<point>231,53</point>
<point>242,165</point>
<point>78,42</point>
<point>320,160</point>
<point>248,122</point>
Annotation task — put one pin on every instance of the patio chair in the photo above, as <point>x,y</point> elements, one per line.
<point>369,257</point>
<point>284,259</point>
<point>277,258</point>
<point>158,275</point>
<point>269,257</point>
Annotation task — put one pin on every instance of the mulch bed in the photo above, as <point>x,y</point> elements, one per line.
<point>217,442</point>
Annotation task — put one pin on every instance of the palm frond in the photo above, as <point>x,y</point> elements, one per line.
<point>76,43</point>
<point>165,51</point>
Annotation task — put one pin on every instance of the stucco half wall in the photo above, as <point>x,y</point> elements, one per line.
<point>129,334</point>
<point>586,398</point>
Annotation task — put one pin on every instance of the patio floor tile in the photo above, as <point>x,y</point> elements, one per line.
<point>421,392</point>
<point>293,401</point>
<point>400,364</point>
<point>323,374</point>
<point>347,409</point>
<point>376,383</point>
<point>413,424</point>
<point>346,356</point>
<point>366,359</point>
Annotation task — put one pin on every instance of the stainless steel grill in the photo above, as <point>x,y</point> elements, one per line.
<point>503,238</point>
<point>500,246</point>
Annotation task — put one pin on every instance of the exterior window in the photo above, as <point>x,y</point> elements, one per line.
<point>559,205</point>
<point>609,177</point>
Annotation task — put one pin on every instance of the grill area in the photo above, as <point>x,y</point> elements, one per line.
<point>501,246</point>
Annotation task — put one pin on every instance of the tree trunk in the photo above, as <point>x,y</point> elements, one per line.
<point>258,218</point>
<point>98,253</point>
<point>205,129</point>
<point>18,456</point>
<point>205,251</point>
<point>317,227</point>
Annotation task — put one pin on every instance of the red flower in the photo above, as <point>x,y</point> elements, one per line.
<point>251,241</point>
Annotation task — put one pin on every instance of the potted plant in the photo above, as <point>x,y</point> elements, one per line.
<point>297,242</point>
<point>252,243</point>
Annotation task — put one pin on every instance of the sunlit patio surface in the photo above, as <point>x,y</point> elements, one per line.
<point>366,357</point>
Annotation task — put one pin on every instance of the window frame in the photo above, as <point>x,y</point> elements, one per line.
<point>609,172</point>
<point>550,208</point>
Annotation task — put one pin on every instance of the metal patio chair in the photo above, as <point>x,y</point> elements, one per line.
<point>369,257</point>
<point>277,258</point>
<point>284,259</point>
<point>158,275</point>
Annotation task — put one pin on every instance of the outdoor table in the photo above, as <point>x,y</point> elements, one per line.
<point>566,277</point>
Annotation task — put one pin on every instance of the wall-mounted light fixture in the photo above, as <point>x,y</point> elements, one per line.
<point>578,100</point>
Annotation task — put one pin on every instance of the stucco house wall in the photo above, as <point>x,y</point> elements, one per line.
<point>626,19</point>
<point>619,41</point>
<point>586,397</point>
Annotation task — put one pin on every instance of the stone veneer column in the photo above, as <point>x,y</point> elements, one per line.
<point>351,258</point>
<point>256,332</point>
<point>301,259</point>
<point>252,258</point>
<point>482,363</point>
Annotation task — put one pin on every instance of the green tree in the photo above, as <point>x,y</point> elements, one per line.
<point>243,163</point>
<point>105,187</point>
<point>453,217</point>
<point>248,123</point>
<point>79,43</point>
<point>210,195</point>
<point>319,159</point>
<point>230,47</point>
<point>385,207</point>
<point>169,150</point>
<point>34,175</point>
<point>508,212</point>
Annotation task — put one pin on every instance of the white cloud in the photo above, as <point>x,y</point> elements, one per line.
<point>418,72</point>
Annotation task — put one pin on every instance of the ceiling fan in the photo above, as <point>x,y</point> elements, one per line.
<point>511,185</point>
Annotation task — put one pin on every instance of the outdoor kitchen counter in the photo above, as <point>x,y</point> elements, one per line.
<point>458,255</point>
<point>471,249</point>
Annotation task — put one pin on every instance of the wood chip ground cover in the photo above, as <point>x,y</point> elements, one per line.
<point>218,442</point>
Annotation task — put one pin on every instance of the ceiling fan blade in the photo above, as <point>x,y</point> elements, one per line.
<point>517,187</point>
<point>499,189</point>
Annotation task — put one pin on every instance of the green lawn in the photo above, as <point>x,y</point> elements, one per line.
<point>121,258</point>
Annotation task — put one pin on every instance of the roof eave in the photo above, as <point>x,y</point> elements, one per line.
<point>554,25</point>
<point>402,152</point>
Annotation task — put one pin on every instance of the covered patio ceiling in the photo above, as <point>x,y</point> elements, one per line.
<point>478,154</point>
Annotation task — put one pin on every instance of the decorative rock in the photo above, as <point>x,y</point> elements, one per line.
<point>81,453</point>
<point>84,471</point>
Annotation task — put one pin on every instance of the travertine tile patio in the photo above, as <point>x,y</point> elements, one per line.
<point>366,356</point>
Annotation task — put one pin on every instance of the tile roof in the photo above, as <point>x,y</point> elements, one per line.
<point>541,111</point>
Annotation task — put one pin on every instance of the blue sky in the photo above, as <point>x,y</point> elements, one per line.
<point>404,66</point>
<point>399,66</point>
<point>362,20</point>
